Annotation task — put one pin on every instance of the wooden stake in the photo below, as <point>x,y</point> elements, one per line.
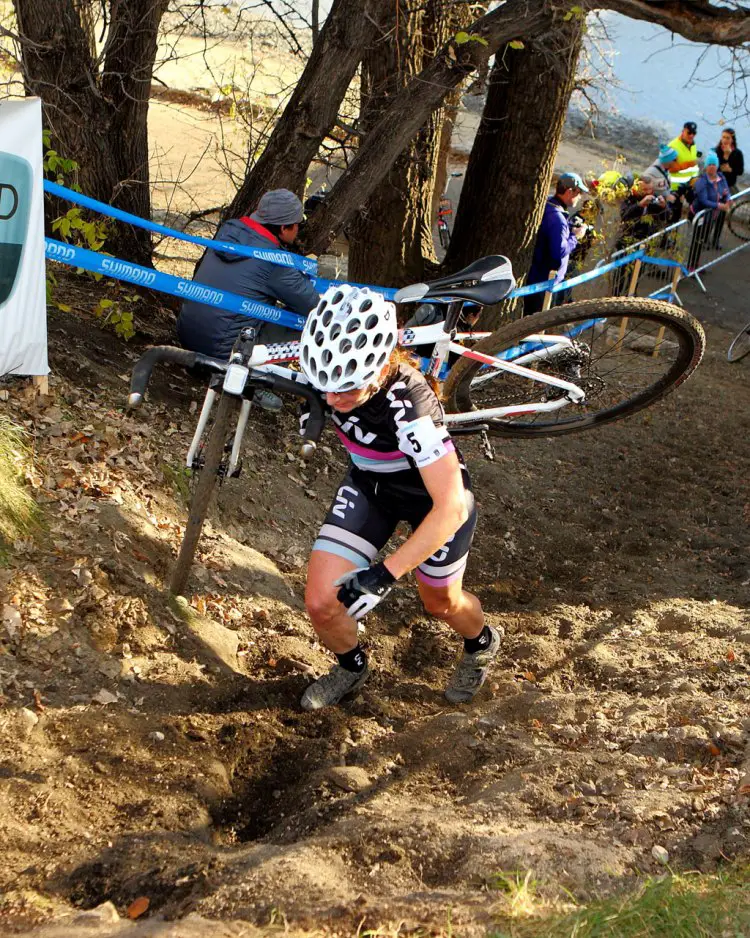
<point>634,278</point>
<point>40,383</point>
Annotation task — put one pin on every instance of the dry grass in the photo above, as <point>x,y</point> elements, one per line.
<point>19,514</point>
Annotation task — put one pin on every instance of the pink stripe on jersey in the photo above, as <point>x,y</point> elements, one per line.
<point>364,450</point>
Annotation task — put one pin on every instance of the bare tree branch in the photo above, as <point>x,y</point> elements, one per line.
<point>697,20</point>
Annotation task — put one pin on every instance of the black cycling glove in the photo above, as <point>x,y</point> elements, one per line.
<point>362,589</point>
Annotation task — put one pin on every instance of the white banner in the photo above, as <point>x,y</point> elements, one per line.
<point>23,306</point>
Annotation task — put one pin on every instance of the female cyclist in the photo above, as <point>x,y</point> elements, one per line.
<point>404,467</point>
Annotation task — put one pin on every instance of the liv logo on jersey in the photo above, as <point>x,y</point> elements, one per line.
<point>343,501</point>
<point>351,427</point>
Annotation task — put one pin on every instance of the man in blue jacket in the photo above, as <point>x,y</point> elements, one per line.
<point>555,240</point>
<point>212,331</point>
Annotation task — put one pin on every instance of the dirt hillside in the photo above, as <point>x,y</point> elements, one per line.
<point>158,752</point>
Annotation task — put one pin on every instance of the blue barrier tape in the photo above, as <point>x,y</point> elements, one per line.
<point>321,285</point>
<point>280,257</point>
<point>597,272</point>
<point>166,283</point>
<point>664,262</point>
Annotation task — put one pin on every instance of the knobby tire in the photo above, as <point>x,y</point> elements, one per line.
<point>738,220</point>
<point>685,333</point>
<point>740,345</point>
<point>207,478</point>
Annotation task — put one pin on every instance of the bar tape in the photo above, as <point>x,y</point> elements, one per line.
<point>166,283</point>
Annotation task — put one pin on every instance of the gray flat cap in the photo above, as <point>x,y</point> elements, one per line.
<point>279,207</point>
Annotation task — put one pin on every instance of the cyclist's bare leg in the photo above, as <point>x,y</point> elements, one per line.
<point>336,630</point>
<point>462,611</point>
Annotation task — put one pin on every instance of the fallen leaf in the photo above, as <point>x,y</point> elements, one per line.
<point>137,908</point>
<point>38,705</point>
<point>731,655</point>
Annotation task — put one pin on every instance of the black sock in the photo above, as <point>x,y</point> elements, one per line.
<point>354,660</point>
<point>482,641</point>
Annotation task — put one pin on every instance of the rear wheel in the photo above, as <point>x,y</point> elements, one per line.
<point>738,220</point>
<point>740,345</point>
<point>208,475</point>
<point>624,354</point>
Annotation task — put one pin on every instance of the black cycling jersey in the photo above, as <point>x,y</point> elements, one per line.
<point>400,429</point>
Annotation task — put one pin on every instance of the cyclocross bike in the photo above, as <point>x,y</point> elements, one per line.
<point>560,371</point>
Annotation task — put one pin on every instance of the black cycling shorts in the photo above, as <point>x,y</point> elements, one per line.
<point>363,517</point>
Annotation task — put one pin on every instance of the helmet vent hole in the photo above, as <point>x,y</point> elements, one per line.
<point>327,317</point>
<point>336,373</point>
<point>345,346</point>
<point>351,367</point>
<point>377,340</point>
<point>371,321</point>
<point>382,360</point>
<point>365,305</point>
<point>313,368</point>
<point>353,325</point>
<point>305,354</point>
<point>369,360</point>
<point>322,377</point>
<point>337,298</point>
<point>361,341</point>
<point>319,339</point>
<point>326,356</point>
<point>336,330</point>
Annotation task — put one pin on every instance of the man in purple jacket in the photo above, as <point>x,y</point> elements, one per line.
<point>555,240</point>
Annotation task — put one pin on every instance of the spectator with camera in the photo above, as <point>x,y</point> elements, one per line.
<point>555,239</point>
<point>642,212</point>
<point>659,172</point>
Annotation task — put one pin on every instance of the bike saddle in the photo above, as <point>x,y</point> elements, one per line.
<point>486,281</point>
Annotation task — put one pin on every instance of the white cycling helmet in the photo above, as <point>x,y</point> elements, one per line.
<point>347,338</point>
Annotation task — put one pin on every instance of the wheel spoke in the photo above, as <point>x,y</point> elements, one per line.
<point>621,353</point>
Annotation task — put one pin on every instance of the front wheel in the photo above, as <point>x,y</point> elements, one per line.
<point>213,454</point>
<point>740,345</point>
<point>624,354</point>
<point>738,220</point>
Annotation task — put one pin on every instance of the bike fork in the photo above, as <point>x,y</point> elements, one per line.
<point>208,403</point>
<point>234,457</point>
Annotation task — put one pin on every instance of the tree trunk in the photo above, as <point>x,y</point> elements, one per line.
<point>525,19</point>
<point>97,114</point>
<point>392,237</point>
<point>411,108</point>
<point>313,108</point>
<point>510,167</point>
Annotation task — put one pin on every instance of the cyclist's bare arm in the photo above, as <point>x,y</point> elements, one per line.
<point>449,511</point>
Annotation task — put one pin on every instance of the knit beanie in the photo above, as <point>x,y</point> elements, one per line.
<point>666,154</point>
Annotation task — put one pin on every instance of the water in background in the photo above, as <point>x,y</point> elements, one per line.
<point>654,69</point>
